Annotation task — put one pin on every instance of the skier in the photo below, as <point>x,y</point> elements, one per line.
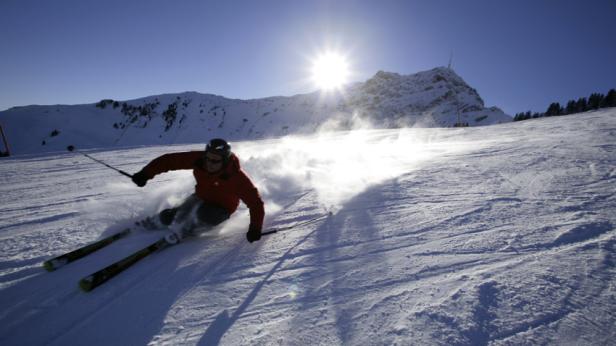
<point>221,184</point>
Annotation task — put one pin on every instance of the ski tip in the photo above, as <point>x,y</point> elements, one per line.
<point>49,266</point>
<point>122,233</point>
<point>86,285</point>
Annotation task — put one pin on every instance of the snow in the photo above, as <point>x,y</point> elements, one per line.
<point>496,235</point>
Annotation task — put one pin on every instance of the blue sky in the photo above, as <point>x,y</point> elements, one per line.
<point>520,55</point>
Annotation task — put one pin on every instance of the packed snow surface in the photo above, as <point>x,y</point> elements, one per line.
<point>495,235</point>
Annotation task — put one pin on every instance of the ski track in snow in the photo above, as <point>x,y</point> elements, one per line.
<point>508,240</point>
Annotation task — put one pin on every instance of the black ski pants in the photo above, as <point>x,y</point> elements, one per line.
<point>194,211</point>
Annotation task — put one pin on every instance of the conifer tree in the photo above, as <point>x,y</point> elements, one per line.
<point>571,107</point>
<point>554,109</point>
<point>595,100</point>
<point>581,105</point>
<point>610,99</point>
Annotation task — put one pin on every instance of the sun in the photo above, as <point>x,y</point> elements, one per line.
<point>330,71</point>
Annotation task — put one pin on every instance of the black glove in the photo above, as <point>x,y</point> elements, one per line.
<point>253,234</point>
<point>140,178</point>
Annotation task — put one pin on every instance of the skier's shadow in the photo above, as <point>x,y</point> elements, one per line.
<point>327,239</point>
<point>224,322</point>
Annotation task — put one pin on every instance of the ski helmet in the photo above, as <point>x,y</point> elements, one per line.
<point>220,147</point>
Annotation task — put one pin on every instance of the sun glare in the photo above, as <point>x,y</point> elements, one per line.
<point>330,71</point>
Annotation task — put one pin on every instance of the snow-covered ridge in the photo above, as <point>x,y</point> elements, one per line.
<point>435,98</point>
<point>432,98</point>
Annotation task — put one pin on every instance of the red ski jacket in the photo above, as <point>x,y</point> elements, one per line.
<point>224,189</point>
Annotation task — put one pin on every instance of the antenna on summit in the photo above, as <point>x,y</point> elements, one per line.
<point>450,60</point>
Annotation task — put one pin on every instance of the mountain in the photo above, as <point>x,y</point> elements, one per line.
<point>432,98</point>
<point>501,235</point>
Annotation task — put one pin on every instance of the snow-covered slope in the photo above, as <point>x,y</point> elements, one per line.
<point>433,98</point>
<point>495,235</point>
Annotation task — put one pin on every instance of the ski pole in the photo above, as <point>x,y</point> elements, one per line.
<point>71,148</point>
<point>313,220</point>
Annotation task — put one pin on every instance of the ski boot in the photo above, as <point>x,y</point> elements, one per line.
<point>157,222</point>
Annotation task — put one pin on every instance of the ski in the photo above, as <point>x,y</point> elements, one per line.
<point>67,258</point>
<point>98,278</point>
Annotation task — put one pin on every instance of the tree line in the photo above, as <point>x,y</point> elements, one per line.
<point>583,104</point>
